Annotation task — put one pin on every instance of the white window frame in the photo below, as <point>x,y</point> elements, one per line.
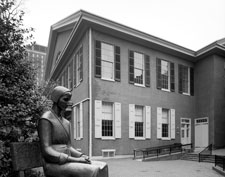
<point>143,74</point>
<point>143,120</point>
<point>78,111</point>
<point>188,93</point>
<point>166,89</point>
<point>116,120</point>
<point>113,63</point>
<point>113,121</point>
<point>146,122</point>
<point>171,126</point>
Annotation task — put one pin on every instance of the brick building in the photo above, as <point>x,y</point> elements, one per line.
<point>37,55</point>
<point>134,90</point>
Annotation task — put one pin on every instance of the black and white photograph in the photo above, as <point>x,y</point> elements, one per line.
<point>112,88</point>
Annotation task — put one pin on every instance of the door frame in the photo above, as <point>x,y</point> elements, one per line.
<point>202,121</point>
<point>181,122</point>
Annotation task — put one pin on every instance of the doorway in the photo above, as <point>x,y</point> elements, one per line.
<point>185,130</point>
<point>201,132</point>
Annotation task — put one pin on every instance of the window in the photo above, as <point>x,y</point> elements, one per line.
<point>186,77</point>
<point>107,61</point>
<point>165,123</point>
<point>78,121</point>
<point>139,69</point>
<point>107,120</point>
<point>139,122</point>
<point>78,67</point>
<point>70,76</point>
<point>165,75</point>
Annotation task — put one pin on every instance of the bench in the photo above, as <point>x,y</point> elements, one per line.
<point>25,156</point>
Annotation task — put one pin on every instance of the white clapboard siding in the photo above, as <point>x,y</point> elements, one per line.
<point>117,120</point>
<point>159,122</point>
<point>148,122</point>
<point>98,118</point>
<point>131,120</point>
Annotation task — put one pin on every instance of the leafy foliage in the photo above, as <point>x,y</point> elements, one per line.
<point>21,100</point>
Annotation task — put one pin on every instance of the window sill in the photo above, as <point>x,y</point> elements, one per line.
<point>139,85</point>
<point>78,139</point>
<point>166,90</point>
<point>187,94</point>
<point>106,79</point>
<point>166,139</point>
<point>139,138</point>
<point>108,138</point>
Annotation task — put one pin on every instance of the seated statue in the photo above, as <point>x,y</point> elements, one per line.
<point>60,158</point>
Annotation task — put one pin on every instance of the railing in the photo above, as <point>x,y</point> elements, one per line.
<point>159,150</point>
<point>220,161</point>
<point>206,153</point>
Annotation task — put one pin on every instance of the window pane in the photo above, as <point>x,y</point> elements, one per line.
<point>107,56</point>
<point>107,128</point>
<point>165,129</point>
<point>107,119</point>
<point>107,69</point>
<point>139,129</point>
<point>138,68</point>
<point>185,80</point>
<point>165,74</point>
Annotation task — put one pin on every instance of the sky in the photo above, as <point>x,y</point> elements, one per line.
<point>193,24</point>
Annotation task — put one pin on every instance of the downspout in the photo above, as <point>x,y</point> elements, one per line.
<point>90,92</point>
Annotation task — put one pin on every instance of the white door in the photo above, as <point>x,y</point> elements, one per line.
<point>201,132</point>
<point>185,131</point>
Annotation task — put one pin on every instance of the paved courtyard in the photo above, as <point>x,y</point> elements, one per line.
<point>172,168</point>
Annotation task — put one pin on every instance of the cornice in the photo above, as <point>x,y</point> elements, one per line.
<point>81,20</point>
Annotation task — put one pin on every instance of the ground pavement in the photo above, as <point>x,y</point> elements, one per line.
<point>173,168</point>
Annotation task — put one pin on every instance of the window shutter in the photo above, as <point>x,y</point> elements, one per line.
<point>172,116</point>
<point>180,78</point>
<point>159,122</point>
<point>117,120</point>
<point>131,120</point>
<point>81,63</point>
<point>74,71</point>
<point>98,59</point>
<point>148,122</point>
<point>131,67</point>
<point>192,81</point>
<point>117,63</point>
<point>81,120</point>
<point>75,122</point>
<point>172,77</point>
<point>158,73</point>
<point>98,119</point>
<point>147,71</point>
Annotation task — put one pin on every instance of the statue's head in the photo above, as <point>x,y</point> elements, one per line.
<point>61,96</point>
